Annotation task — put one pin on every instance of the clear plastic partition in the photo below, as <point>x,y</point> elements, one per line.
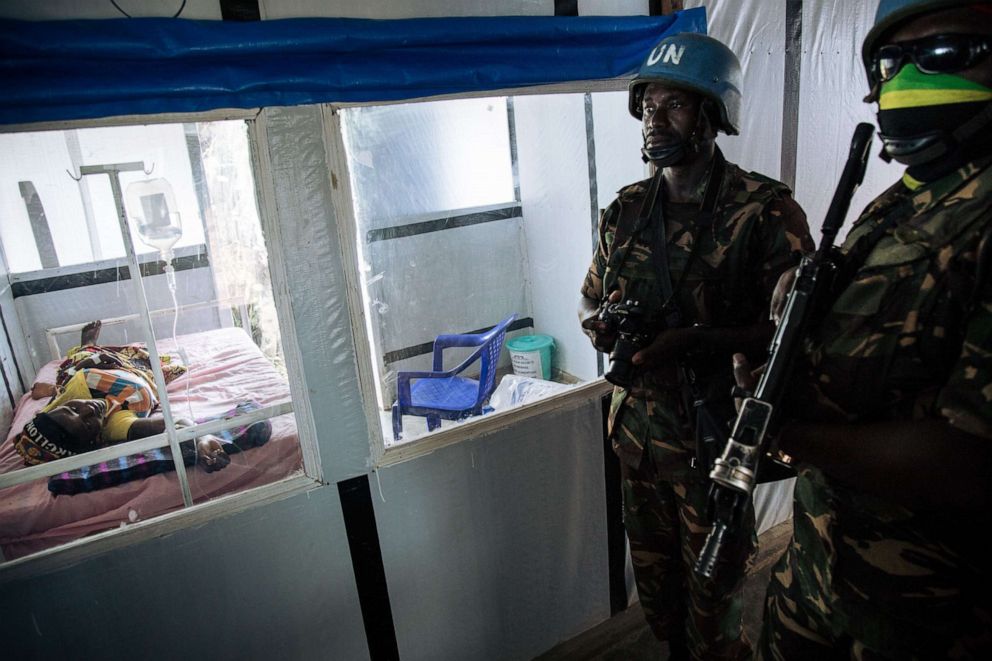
<point>426,158</point>
<point>141,284</point>
<point>475,225</point>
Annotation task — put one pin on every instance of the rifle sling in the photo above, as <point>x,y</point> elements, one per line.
<point>652,215</point>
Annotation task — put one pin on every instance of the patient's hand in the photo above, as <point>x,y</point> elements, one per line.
<point>42,390</point>
<point>210,453</point>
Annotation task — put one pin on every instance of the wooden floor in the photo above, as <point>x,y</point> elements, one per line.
<point>626,637</point>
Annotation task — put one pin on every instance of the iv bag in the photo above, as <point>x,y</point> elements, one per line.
<point>152,207</point>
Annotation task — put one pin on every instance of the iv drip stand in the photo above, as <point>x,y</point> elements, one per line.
<point>113,170</point>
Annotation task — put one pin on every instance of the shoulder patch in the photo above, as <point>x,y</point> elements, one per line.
<point>760,180</point>
<point>634,190</point>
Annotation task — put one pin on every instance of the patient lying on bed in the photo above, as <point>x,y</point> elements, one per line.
<point>102,396</point>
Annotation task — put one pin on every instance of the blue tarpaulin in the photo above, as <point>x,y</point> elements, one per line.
<point>59,70</point>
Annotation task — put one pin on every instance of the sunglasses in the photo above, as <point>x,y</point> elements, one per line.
<point>942,53</point>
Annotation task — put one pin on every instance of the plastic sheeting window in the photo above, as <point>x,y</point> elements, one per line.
<point>473,215</point>
<point>149,394</point>
<point>41,227</point>
<point>429,158</point>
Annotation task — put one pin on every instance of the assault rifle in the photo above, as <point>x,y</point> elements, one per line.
<point>734,473</point>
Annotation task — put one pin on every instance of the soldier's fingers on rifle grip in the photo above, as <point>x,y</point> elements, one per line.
<point>745,377</point>
<point>781,294</point>
<point>614,296</point>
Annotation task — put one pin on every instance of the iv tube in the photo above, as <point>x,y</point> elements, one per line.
<point>152,207</point>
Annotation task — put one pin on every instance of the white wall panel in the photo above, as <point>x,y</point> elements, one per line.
<point>54,10</point>
<point>39,312</point>
<point>9,335</point>
<point>554,189</point>
<point>274,582</point>
<point>618,146</point>
<point>449,281</point>
<point>405,9</point>
<point>833,84</point>
<point>755,31</point>
<point>309,250</point>
<point>613,7</point>
<point>496,548</point>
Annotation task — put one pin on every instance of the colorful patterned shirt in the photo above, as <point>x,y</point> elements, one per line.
<point>128,395</point>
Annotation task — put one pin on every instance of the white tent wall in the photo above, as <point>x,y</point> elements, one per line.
<point>303,225</point>
<point>274,582</point>
<point>755,31</point>
<point>408,9</point>
<point>492,548</point>
<point>51,309</point>
<point>618,147</point>
<point>831,83</point>
<point>10,376</point>
<point>55,10</point>
<point>832,88</point>
<point>453,281</point>
<point>554,191</point>
<point>496,548</point>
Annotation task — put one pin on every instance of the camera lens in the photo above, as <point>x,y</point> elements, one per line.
<point>621,370</point>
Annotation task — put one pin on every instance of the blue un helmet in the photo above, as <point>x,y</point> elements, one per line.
<point>698,63</point>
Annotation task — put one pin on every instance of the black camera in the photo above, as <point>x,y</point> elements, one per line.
<point>635,330</point>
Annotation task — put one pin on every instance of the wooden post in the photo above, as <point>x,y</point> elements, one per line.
<point>662,7</point>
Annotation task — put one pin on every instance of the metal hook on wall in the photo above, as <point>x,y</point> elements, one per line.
<point>72,176</point>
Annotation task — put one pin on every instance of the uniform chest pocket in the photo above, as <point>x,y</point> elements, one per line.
<point>891,279</point>
<point>884,325</point>
<point>636,273</point>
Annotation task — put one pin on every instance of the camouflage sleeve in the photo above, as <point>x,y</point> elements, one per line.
<point>966,398</point>
<point>784,233</point>
<point>592,285</point>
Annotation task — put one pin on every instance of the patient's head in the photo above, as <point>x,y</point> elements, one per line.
<point>82,419</point>
<point>66,430</point>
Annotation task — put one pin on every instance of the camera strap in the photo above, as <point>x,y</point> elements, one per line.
<point>707,431</point>
<point>652,214</point>
<point>659,250</point>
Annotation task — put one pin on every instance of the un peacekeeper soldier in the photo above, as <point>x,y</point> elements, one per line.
<point>889,557</point>
<point>726,236</point>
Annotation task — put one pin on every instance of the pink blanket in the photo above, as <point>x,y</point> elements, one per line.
<point>225,368</point>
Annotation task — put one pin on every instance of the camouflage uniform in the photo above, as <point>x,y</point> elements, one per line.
<point>757,230</point>
<point>910,337</point>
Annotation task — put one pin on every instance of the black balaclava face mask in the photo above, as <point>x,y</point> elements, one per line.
<point>933,122</point>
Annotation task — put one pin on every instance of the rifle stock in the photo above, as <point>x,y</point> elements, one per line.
<point>734,473</point>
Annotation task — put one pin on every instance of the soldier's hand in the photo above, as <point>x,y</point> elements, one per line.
<point>745,378</point>
<point>781,294</point>
<point>602,335</point>
<point>668,345</point>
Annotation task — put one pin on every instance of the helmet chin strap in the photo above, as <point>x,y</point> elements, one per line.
<point>931,145</point>
<point>662,157</point>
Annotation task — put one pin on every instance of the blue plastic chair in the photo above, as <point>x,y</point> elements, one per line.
<point>443,394</point>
